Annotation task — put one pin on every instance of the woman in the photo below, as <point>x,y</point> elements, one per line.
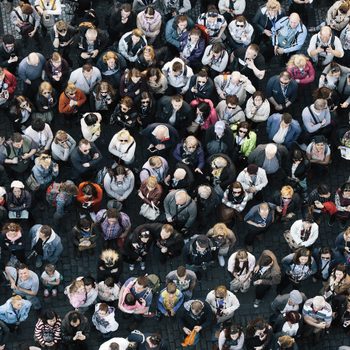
<point>90,124</point>
<point>224,239</point>
<point>258,334</point>
<point>222,172</point>
<point>122,147</point>
<point>130,44</point>
<point>257,108</point>
<point>266,274</point>
<point>47,332</point>
<point>132,83</point>
<point>338,16</point>
<point>297,267</point>
<point>150,192</point>
<point>110,264</point>
<point>45,101</point>
<point>145,108</point>
<point>84,235</point>
<point>18,201</point>
<point>223,303</point>
<point>241,266</point>
<point>244,143</point>
<point>287,203</point>
<point>44,171</point>
<point>302,233</point>
<point>325,260</point>
<point>20,112</point>
<point>156,81</point>
<point>57,71</point>
<point>301,69</point>
<point>124,113</point>
<point>12,243</point>
<point>61,196</point>
<point>319,155</point>
<point>103,98</point>
<point>136,248</point>
<point>342,202</point>
<point>342,245</point>
<point>62,146</point>
<point>119,182</point>
<point>89,196</point>
<point>111,66</point>
<point>70,101</point>
<point>234,202</point>
<point>205,115</point>
<point>190,152</point>
<point>231,338</point>
<point>192,47</point>
<point>149,21</point>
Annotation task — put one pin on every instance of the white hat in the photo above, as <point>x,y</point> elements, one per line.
<point>17,184</point>
<point>2,191</point>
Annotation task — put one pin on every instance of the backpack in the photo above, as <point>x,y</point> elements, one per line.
<point>154,282</point>
<point>318,41</point>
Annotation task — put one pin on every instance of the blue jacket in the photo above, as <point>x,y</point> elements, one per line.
<point>52,248</point>
<point>8,315</point>
<point>273,89</point>
<point>171,35</point>
<point>178,302</point>
<point>273,125</point>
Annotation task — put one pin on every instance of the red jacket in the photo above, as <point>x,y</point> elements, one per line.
<point>96,202</point>
<point>212,118</point>
<point>63,103</point>
<point>11,81</point>
<point>306,76</point>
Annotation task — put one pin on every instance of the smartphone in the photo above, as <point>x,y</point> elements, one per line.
<point>152,149</point>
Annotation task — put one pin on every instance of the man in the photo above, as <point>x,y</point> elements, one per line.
<point>317,314</point>
<point>172,8</point>
<point>115,344</point>
<point>201,86</point>
<point>19,151</point>
<point>229,111</point>
<point>174,111</point>
<point>10,53</point>
<point>75,330</point>
<point>130,44</point>
<point>253,179</point>
<point>8,83</point>
<point>86,78</point>
<point>178,75</point>
<point>45,244</point>
<point>324,46</point>
<point>25,283</point>
<point>175,30</point>
<point>250,62</point>
<point>180,210</point>
<point>199,253</point>
<point>184,279</point>
<point>258,220</point>
<point>31,71</point>
<point>282,129</point>
<point>233,84</point>
<point>288,35</point>
<point>219,139</point>
<point>91,45</point>
<point>86,159</point>
<point>13,312</point>
<point>281,91</point>
<point>196,315</point>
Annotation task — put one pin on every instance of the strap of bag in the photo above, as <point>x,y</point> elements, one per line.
<point>181,210</point>
<point>313,115</point>
<point>19,16</point>
<point>127,150</point>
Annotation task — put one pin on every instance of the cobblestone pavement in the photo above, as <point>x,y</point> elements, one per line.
<point>71,267</point>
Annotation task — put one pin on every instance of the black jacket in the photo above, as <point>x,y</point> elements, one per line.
<point>68,332</point>
<point>204,319</point>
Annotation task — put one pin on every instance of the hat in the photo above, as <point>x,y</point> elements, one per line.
<point>295,297</point>
<point>17,184</point>
<point>252,169</point>
<point>203,241</point>
<point>114,204</point>
<point>2,191</point>
<point>219,127</point>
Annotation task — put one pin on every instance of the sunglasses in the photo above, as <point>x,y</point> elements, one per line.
<point>231,107</point>
<point>236,192</point>
<point>242,131</point>
<point>144,235</point>
<point>240,25</point>
<point>123,140</point>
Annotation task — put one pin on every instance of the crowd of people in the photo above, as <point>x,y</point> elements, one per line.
<point>167,139</point>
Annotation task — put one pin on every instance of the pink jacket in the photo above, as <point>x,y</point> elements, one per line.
<point>306,76</point>
<point>212,118</point>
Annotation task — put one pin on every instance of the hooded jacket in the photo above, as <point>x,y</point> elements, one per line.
<point>204,319</point>
<point>68,331</point>
<point>8,315</point>
<point>52,247</point>
<point>107,323</point>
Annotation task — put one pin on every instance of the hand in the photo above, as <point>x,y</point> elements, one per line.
<point>31,34</point>
<point>25,156</point>
<point>278,107</point>
<point>84,55</point>
<point>256,268</point>
<point>14,160</point>
<point>95,156</point>
<point>164,249</point>
<point>13,285</point>
<point>193,89</point>
<point>160,146</point>
<point>139,193</point>
<point>81,337</point>
<point>267,32</point>
<point>319,205</point>
<point>344,105</point>
<point>186,330</point>
<point>297,80</point>
<point>142,301</point>
<point>137,91</point>
<point>169,218</point>
<point>197,170</point>
<point>279,209</point>
<point>322,325</point>
<point>329,50</point>
<point>250,63</point>
<point>323,122</point>
<point>197,328</point>
<point>257,282</point>
<point>27,81</point>
<point>222,95</point>
<point>72,103</point>
<point>13,59</point>
<point>86,165</point>
<point>94,53</point>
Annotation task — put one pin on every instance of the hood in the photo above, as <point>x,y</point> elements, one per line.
<point>18,235</point>
<point>50,240</point>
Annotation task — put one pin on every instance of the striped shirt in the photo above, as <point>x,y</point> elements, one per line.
<point>323,315</point>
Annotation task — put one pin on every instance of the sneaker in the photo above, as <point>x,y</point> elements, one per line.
<point>249,248</point>
<point>343,224</point>
<point>256,303</point>
<point>38,262</point>
<point>131,267</point>
<point>221,260</point>
<point>54,292</point>
<point>46,293</point>
<point>143,266</point>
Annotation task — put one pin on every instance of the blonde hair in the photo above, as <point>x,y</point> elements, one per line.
<point>297,61</point>
<point>152,181</point>
<point>108,55</point>
<point>137,32</point>
<point>45,86</point>
<point>155,160</point>
<point>76,284</point>
<point>56,57</point>
<point>221,291</point>
<point>60,135</point>
<point>44,160</point>
<point>61,25</point>
<point>273,5</point>
<point>70,88</point>
<point>220,229</point>
<point>287,191</point>
<point>124,133</point>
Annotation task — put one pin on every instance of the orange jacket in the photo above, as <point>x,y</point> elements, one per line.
<point>63,103</point>
<point>96,202</point>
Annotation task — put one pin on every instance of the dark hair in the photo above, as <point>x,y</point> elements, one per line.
<point>298,155</point>
<point>149,10</point>
<point>89,190</point>
<point>89,281</point>
<point>84,223</point>
<point>287,118</point>
<point>181,271</point>
<point>113,346</point>
<point>155,339</point>
<point>322,189</point>
<point>292,317</point>
<point>48,315</point>
<point>259,93</point>
<point>142,281</point>
<point>204,108</point>
<point>8,39</point>
<point>254,325</point>
<point>109,282</point>
<point>90,119</point>
<point>46,230</point>
<point>233,329</point>
<point>130,299</point>
<point>74,316</point>
<point>265,260</point>
<point>302,252</point>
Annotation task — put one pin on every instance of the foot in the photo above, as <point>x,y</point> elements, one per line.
<point>143,266</point>
<point>54,292</point>
<point>46,293</point>
<point>221,260</point>
<point>131,267</point>
<point>38,262</point>
<point>249,248</point>
<point>256,303</point>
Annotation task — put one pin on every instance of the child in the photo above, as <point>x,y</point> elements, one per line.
<point>108,291</point>
<point>103,319</point>
<point>170,300</point>
<point>51,279</point>
<point>76,293</point>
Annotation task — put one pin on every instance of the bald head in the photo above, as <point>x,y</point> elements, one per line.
<point>294,20</point>
<point>33,59</point>
<point>325,34</point>
<point>179,174</point>
<point>270,150</point>
<point>161,132</point>
<point>181,197</point>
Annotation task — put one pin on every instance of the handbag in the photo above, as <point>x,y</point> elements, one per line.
<point>150,212</point>
<point>31,183</point>
<point>47,20</point>
<point>26,28</point>
<point>190,339</point>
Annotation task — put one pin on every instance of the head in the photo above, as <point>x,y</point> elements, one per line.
<point>179,174</point>
<point>155,162</point>
<point>50,269</point>
<point>17,140</point>
<point>126,103</point>
<point>252,51</point>
<point>219,163</point>
<point>38,125</point>
<point>318,303</point>
<point>136,35</point>
<point>258,98</point>
<point>232,102</point>
<point>196,307</point>
<point>33,59</point>
<point>102,310</point>
<point>23,272</point>
<point>45,89</point>
<point>202,77</point>
<point>112,215</point>
<point>286,120</point>
<point>212,14</point>
<point>45,232</point>
<point>220,292</point>
<point>286,341</point>
<point>264,209</point>
<point>17,302</point>
<point>141,283</point>
<point>11,229</point>
<point>285,78</point>
<point>204,191</point>
<point>181,197</point>
<point>109,257</point>
<point>202,243</point>
<point>273,7</point>
<point>219,128</point>
<point>252,169</point>
<point>240,22</point>
<point>302,256</point>
<point>149,14</point>
<point>17,187</point>
<point>237,189</point>
<point>294,20</point>
<point>177,102</point>
<point>49,317</point>
<point>84,146</point>
<point>181,22</point>
<point>287,192</point>
<point>171,288</point>
<point>166,231</point>
<point>125,10</point>
<point>151,182</point>
<point>339,272</point>
<point>161,132</point>
<point>87,70</point>
<point>70,90</point>
<point>91,35</point>
<point>270,150</point>
<point>144,235</point>
<point>181,272</point>
<point>320,104</point>
<point>62,27</point>
<point>195,35</point>
<point>8,41</point>
<point>298,61</point>
<point>44,160</point>
<point>323,191</point>
<point>110,58</point>
<point>74,319</point>
<point>325,34</point>
<point>243,129</point>
<point>191,143</point>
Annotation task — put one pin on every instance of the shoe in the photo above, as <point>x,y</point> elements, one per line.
<point>256,303</point>
<point>54,292</point>
<point>46,293</point>
<point>249,248</point>
<point>143,266</point>
<point>131,267</point>
<point>38,262</point>
<point>221,260</point>
<point>343,225</point>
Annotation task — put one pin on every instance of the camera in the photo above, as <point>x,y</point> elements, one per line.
<point>324,47</point>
